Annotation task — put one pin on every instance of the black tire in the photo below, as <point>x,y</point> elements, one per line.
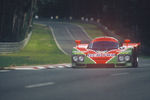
<point>135,62</point>
<point>134,58</point>
<point>74,65</point>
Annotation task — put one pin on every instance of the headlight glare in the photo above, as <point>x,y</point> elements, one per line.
<point>124,57</point>
<point>127,58</point>
<point>75,58</point>
<point>121,58</point>
<point>81,58</point>
<point>78,58</point>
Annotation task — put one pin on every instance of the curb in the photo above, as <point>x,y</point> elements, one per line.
<point>37,67</point>
<point>56,41</point>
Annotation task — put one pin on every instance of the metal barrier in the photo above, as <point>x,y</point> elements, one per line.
<point>9,47</point>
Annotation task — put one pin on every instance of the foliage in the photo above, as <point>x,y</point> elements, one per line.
<point>128,18</point>
<point>41,49</point>
<point>15,19</point>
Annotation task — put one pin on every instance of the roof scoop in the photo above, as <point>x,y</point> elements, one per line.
<point>127,41</point>
<point>78,42</point>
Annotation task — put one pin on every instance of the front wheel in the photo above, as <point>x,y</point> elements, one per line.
<point>135,61</point>
<point>74,65</point>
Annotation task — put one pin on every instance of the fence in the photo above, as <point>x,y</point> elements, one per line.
<point>9,47</point>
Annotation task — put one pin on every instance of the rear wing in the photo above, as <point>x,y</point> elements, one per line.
<point>80,46</point>
<point>135,46</point>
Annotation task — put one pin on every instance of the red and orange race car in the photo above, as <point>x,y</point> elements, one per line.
<point>105,52</point>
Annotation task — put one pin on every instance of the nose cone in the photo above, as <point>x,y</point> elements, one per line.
<point>101,60</point>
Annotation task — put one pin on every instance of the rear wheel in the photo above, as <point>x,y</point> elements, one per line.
<point>134,58</point>
<point>135,62</point>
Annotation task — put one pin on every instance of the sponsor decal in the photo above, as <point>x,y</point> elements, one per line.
<point>102,55</point>
<point>101,51</point>
<point>76,51</point>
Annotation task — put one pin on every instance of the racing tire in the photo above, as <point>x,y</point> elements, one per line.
<point>134,58</point>
<point>75,65</point>
<point>135,62</point>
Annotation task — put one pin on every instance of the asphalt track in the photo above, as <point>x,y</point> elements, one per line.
<point>76,84</point>
<point>66,34</point>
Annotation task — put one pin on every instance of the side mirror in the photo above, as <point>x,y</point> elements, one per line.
<point>127,41</point>
<point>78,42</point>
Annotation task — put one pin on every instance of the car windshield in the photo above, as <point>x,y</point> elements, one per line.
<point>104,45</point>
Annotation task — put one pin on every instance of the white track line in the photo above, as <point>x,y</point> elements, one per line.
<point>57,42</point>
<point>83,30</point>
<point>60,67</point>
<point>51,67</point>
<point>118,74</point>
<point>68,66</point>
<point>25,69</point>
<point>68,31</point>
<point>2,71</point>
<point>39,85</point>
<point>39,67</point>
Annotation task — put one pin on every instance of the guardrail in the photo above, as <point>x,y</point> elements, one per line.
<point>9,47</point>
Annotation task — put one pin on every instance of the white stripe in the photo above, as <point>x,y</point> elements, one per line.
<point>51,67</point>
<point>84,31</point>
<point>39,85</point>
<point>85,55</point>
<point>60,66</point>
<point>24,69</point>
<point>4,71</point>
<point>39,67</point>
<point>69,33</point>
<point>57,42</point>
<point>91,59</point>
<point>110,59</point>
<point>68,65</point>
<point>118,74</point>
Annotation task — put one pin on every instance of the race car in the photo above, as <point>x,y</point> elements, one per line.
<point>105,52</point>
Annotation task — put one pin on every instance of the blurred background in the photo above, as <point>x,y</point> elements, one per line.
<point>127,18</point>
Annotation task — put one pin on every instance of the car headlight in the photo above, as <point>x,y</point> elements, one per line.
<point>121,58</point>
<point>81,58</point>
<point>75,58</point>
<point>127,58</point>
<point>78,58</point>
<point>124,57</point>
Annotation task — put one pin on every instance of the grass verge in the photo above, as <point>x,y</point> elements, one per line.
<point>92,30</point>
<point>41,49</point>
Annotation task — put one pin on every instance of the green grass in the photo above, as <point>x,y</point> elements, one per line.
<point>92,30</point>
<point>41,49</point>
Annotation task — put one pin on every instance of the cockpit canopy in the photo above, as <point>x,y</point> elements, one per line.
<point>103,44</point>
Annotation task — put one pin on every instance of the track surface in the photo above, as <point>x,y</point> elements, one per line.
<point>66,34</point>
<point>76,84</point>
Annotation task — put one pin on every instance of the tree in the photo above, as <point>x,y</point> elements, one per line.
<point>15,20</point>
